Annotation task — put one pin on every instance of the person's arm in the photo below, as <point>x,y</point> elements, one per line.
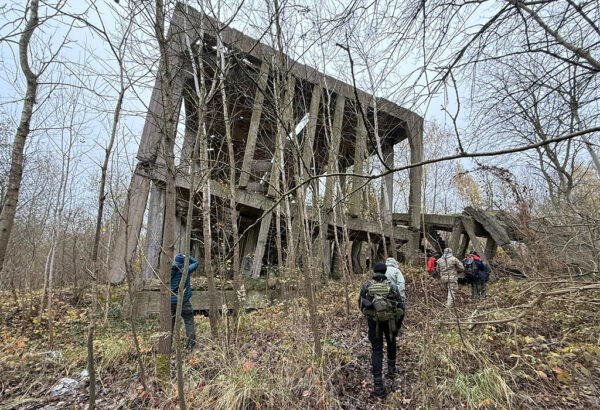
<point>459,266</point>
<point>362,298</point>
<point>193,264</point>
<point>398,295</point>
<point>401,284</point>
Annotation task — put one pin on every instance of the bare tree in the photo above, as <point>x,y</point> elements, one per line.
<point>9,203</point>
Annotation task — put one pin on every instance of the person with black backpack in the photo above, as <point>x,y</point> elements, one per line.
<point>477,273</point>
<point>380,301</point>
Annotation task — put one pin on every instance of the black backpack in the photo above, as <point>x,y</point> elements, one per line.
<point>471,273</point>
<point>381,305</point>
<point>485,274</point>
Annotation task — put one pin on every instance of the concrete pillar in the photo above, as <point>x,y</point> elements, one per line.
<point>462,247</point>
<point>457,230</point>
<point>490,249</point>
<point>126,237</point>
<point>154,230</point>
<point>388,158</point>
<point>357,263</point>
<point>360,153</point>
<point>248,250</point>
<point>261,244</point>
<point>415,141</point>
<point>257,108</point>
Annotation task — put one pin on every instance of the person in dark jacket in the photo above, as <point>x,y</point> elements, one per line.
<point>475,274</point>
<point>379,330</point>
<point>187,311</point>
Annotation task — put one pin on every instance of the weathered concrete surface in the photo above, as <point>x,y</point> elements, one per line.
<point>494,229</point>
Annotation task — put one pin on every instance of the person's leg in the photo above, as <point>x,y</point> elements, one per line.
<point>376,357</point>
<point>187,313</point>
<point>390,338</point>
<point>452,288</point>
<point>482,290</point>
<point>173,312</point>
<point>474,289</point>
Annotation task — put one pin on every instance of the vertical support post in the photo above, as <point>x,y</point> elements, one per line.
<point>463,246</point>
<point>281,138</point>
<point>311,128</point>
<point>126,237</point>
<point>156,215</point>
<point>490,248</point>
<point>261,244</point>
<point>415,175</point>
<point>357,266</point>
<point>179,234</point>
<point>332,161</point>
<point>457,230</point>
<point>249,249</point>
<point>191,129</point>
<point>257,108</point>
<point>388,158</point>
<point>334,150</point>
<point>359,161</point>
<point>469,225</point>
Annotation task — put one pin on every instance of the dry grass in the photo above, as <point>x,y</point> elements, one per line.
<point>549,358</point>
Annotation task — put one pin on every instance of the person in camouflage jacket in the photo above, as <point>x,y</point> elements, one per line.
<point>448,268</point>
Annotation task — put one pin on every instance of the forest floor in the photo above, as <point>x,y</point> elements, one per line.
<point>550,358</point>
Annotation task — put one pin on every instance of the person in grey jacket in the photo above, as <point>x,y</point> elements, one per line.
<point>394,275</point>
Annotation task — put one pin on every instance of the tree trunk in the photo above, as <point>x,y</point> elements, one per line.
<point>9,207</point>
<point>95,259</point>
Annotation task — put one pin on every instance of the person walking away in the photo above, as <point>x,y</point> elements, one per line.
<point>394,275</point>
<point>380,301</point>
<point>477,274</point>
<point>187,311</point>
<point>431,265</point>
<point>448,267</point>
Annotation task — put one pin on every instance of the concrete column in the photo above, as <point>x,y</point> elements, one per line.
<point>126,236</point>
<point>462,247</point>
<point>415,141</point>
<point>469,225</point>
<point>357,264</point>
<point>457,230</point>
<point>281,140</point>
<point>261,244</point>
<point>388,158</point>
<point>248,250</point>
<point>154,230</point>
<point>257,108</point>
<point>360,153</point>
<point>490,249</point>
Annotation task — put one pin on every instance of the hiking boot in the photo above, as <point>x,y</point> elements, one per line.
<point>391,370</point>
<point>378,388</point>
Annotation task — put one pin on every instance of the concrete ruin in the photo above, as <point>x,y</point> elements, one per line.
<point>318,100</point>
<point>333,138</point>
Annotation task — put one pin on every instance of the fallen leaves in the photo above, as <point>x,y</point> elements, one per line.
<point>247,366</point>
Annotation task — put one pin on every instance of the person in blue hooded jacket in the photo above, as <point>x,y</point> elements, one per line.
<point>187,311</point>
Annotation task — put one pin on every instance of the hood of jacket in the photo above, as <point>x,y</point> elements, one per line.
<point>392,262</point>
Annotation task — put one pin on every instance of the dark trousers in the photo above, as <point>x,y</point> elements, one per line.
<point>377,345</point>
<point>187,313</point>
<point>478,289</point>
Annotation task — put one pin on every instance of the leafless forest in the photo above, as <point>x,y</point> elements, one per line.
<point>283,145</point>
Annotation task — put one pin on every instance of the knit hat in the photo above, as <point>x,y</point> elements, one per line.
<point>179,258</point>
<point>379,270</point>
